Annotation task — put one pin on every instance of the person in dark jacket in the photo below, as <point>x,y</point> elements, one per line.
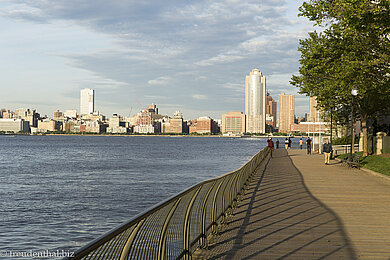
<point>277,143</point>
<point>327,149</point>
<point>308,143</point>
<point>270,146</point>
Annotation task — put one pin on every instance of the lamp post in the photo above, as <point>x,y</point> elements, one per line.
<point>354,93</point>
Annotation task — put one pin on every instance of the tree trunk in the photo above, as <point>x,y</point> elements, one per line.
<point>365,135</point>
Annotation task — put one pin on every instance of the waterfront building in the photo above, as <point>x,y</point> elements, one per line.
<point>97,127</point>
<point>175,125</point>
<point>314,115</point>
<point>70,113</point>
<point>117,125</point>
<point>234,122</point>
<point>87,101</point>
<point>48,125</point>
<point>145,123</point>
<point>29,115</point>
<point>286,112</point>
<point>255,101</point>
<point>71,126</point>
<point>203,125</point>
<point>14,125</point>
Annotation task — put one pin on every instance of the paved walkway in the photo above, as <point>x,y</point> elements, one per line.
<point>299,208</point>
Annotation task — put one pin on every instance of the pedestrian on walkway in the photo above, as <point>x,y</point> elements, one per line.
<point>277,143</point>
<point>270,146</point>
<point>308,143</point>
<point>300,143</point>
<point>289,143</point>
<point>286,142</point>
<point>327,149</point>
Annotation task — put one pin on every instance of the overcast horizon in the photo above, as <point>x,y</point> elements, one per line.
<point>179,55</point>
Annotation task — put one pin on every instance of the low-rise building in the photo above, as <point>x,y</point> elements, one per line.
<point>49,125</point>
<point>204,125</point>
<point>117,125</point>
<point>14,125</point>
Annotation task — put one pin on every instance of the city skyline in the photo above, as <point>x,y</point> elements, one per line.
<point>181,56</point>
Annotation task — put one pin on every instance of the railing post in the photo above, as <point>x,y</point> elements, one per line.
<point>130,240</point>
<point>163,235</point>
<point>224,195</point>
<point>203,235</point>
<point>214,211</point>
<point>187,219</point>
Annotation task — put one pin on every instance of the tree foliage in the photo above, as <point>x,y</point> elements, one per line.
<point>351,51</point>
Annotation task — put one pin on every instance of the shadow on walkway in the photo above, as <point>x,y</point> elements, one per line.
<point>278,218</point>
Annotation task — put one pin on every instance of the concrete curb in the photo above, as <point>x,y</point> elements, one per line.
<point>370,171</point>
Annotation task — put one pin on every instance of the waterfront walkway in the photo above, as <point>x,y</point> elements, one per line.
<point>299,208</point>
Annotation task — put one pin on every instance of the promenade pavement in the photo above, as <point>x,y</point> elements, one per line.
<point>298,208</point>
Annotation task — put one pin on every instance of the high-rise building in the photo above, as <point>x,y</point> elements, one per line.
<point>255,100</point>
<point>286,112</point>
<point>87,101</point>
<point>314,113</point>
<point>271,111</point>
<point>233,122</point>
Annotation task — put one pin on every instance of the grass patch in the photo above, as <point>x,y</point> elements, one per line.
<point>377,163</point>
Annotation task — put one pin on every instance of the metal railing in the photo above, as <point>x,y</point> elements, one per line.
<point>175,228</point>
<point>343,149</point>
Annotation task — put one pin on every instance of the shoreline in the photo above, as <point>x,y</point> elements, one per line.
<point>143,135</point>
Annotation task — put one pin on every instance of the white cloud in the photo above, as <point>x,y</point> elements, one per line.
<point>205,46</point>
<point>199,97</point>
<point>159,81</point>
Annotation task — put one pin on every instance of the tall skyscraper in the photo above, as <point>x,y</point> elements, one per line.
<point>87,101</point>
<point>255,99</point>
<point>286,112</point>
<point>314,113</point>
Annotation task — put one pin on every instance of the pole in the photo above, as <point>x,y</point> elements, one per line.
<point>331,130</point>
<point>331,125</point>
<point>352,137</point>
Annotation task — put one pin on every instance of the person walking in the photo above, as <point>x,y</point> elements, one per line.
<point>327,149</point>
<point>300,143</point>
<point>286,142</point>
<point>308,143</point>
<point>270,146</point>
<point>277,143</point>
<point>289,143</point>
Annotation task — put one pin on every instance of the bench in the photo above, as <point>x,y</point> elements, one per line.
<point>352,162</point>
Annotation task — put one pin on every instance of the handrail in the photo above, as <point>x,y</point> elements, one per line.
<point>176,227</point>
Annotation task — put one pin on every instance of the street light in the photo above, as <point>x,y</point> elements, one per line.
<point>354,93</point>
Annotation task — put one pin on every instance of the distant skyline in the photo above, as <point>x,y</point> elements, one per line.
<point>191,57</point>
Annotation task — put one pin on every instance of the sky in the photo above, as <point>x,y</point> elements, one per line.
<point>182,55</point>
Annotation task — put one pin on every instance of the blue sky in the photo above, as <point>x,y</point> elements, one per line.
<point>182,55</point>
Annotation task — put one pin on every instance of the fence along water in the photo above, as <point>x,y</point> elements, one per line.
<point>175,228</point>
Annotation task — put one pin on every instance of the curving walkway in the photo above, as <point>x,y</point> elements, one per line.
<point>295,210</point>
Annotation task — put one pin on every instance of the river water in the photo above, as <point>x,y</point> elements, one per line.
<point>60,192</point>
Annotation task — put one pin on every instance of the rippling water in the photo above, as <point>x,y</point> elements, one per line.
<point>60,192</point>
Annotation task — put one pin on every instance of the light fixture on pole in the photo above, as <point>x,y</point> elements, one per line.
<point>354,93</point>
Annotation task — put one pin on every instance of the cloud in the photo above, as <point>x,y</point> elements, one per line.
<point>172,48</point>
<point>199,97</point>
<point>159,81</point>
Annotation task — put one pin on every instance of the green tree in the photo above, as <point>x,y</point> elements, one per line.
<point>351,51</point>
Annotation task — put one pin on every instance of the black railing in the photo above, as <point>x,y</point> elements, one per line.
<point>175,228</point>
